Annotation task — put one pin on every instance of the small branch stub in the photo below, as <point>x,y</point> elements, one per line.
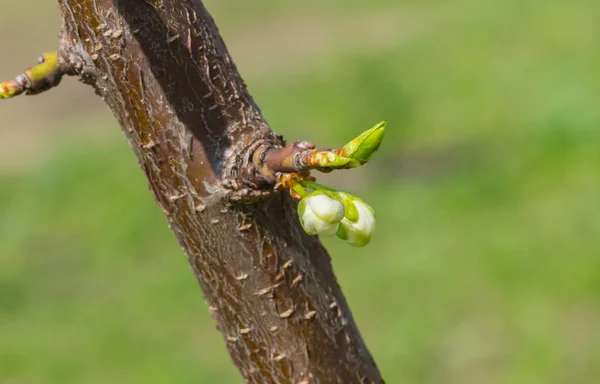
<point>39,78</point>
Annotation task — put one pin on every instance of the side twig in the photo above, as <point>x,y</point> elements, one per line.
<point>45,75</point>
<point>301,156</point>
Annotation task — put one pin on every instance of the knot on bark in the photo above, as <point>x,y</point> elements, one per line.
<point>244,173</point>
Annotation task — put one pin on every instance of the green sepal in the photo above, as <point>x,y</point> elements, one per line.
<point>349,207</point>
<point>341,233</point>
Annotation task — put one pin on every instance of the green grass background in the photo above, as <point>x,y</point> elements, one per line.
<point>485,267</point>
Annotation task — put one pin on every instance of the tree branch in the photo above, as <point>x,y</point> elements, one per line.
<point>165,72</point>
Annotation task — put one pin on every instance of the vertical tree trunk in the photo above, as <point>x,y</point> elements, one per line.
<point>165,72</point>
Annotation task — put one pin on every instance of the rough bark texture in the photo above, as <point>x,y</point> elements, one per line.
<point>164,71</point>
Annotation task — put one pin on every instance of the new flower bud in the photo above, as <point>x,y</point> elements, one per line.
<point>320,214</point>
<point>358,227</point>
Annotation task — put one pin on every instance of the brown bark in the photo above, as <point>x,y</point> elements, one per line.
<point>164,71</point>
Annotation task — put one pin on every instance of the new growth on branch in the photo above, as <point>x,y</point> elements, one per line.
<point>34,80</point>
<point>322,210</point>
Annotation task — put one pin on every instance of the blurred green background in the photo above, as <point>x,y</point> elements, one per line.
<point>485,266</point>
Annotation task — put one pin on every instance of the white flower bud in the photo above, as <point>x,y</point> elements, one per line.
<point>358,232</point>
<point>319,214</point>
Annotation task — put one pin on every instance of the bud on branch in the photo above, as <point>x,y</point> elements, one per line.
<point>45,75</point>
<point>326,211</point>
